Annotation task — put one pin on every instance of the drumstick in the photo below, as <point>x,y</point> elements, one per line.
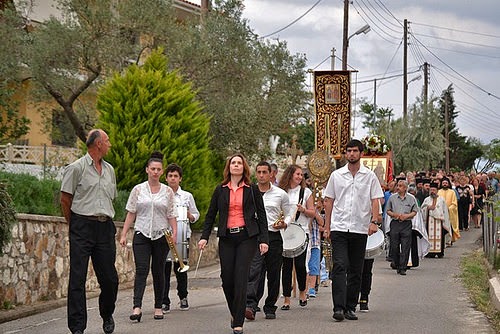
<point>198,263</point>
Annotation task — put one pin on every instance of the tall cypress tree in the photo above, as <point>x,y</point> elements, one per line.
<point>149,108</point>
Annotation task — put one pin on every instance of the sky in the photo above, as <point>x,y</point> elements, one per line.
<point>460,39</point>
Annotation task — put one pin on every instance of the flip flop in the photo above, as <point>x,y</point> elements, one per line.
<point>285,307</point>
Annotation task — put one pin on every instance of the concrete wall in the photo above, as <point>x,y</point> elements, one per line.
<point>35,264</point>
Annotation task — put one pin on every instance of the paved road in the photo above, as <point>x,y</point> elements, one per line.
<point>430,299</point>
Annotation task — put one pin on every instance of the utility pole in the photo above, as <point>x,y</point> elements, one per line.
<point>405,70</point>
<point>426,86</point>
<point>446,138</point>
<point>332,62</point>
<point>345,38</point>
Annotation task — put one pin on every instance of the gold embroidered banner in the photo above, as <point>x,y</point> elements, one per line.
<point>332,104</point>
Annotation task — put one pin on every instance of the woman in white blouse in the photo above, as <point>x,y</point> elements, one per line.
<point>151,206</point>
<point>292,181</point>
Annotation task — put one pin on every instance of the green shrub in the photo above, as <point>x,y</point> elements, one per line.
<point>31,195</point>
<point>119,203</point>
<point>7,216</point>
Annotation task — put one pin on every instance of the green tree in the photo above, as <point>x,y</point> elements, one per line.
<point>418,143</point>
<point>463,151</point>
<point>245,83</point>
<point>12,125</point>
<point>148,109</point>
<point>7,216</point>
<point>374,120</point>
<point>490,158</point>
<point>66,57</point>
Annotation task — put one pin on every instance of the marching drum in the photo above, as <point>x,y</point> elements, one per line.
<point>181,243</point>
<point>375,245</point>
<point>294,240</point>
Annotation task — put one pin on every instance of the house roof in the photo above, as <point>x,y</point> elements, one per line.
<point>42,10</point>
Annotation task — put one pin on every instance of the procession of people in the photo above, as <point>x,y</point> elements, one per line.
<point>271,230</point>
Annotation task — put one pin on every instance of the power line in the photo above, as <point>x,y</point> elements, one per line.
<point>457,41</point>
<point>448,66</point>
<point>376,16</point>
<point>375,30</point>
<point>293,22</point>
<point>463,52</point>
<point>381,5</point>
<point>458,30</point>
<point>441,71</point>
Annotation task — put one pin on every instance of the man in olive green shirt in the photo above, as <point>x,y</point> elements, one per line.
<point>87,192</point>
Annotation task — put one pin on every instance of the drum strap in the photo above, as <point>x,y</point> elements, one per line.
<point>301,199</point>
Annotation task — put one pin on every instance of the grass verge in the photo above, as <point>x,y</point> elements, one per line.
<point>475,276</point>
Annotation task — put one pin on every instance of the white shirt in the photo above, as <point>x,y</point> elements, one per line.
<point>352,206</point>
<point>184,202</point>
<point>293,194</point>
<point>152,210</point>
<point>276,201</point>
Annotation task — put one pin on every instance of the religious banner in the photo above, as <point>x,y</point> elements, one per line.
<point>332,105</point>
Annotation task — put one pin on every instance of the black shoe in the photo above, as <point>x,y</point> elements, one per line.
<point>303,303</point>
<point>257,309</point>
<point>78,332</point>
<point>402,272</point>
<point>237,331</point>
<point>363,305</point>
<point>338,315</point>
<point>158,316</point>
<point>135,317</point>
<point>394,266</point>
<point>108,325</point>
<point>270,315</point>
<point>249,313</point>
<point>350,315</point>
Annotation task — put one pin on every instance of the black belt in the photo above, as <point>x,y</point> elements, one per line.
<point>236,229</point>
<point>101,219</point>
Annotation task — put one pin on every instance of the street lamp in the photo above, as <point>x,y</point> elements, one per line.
<point>363,30</point>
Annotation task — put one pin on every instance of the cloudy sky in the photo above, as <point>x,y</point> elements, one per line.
<point>460,39</point>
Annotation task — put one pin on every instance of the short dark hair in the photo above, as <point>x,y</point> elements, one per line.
<point>355,143</point>
<point>274,166</point>
<point>174,168</point>
<point>264,163</point>
<point>93,136</point>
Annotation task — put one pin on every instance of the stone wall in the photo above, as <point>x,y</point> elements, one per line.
<point>35,264</point>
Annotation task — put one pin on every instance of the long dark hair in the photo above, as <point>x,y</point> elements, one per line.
<point>246,170</point>
<point>287,176</point>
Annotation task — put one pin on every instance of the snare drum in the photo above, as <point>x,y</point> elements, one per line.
<point>375,245</point>
<point>294,240</point>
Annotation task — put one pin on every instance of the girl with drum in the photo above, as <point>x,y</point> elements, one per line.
<point>292,181</point>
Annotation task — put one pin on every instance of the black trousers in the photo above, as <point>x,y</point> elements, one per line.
<point>463,216</point>
<point>182,282</point>
<point>146,252</point>
<point>348,254</point>
<point>300,270</point>
<point>182,279</point>
<point>269,263</point>
<point>95,240</point>
<point>401,235</point>
<point>366,279</point>
<point>236,252</point>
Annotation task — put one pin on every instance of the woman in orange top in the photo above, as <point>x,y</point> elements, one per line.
<point>242,228</point>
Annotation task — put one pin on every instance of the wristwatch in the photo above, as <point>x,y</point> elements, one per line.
<point>376,223</point>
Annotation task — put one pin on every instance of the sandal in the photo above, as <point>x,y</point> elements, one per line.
<point>285,307</point>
